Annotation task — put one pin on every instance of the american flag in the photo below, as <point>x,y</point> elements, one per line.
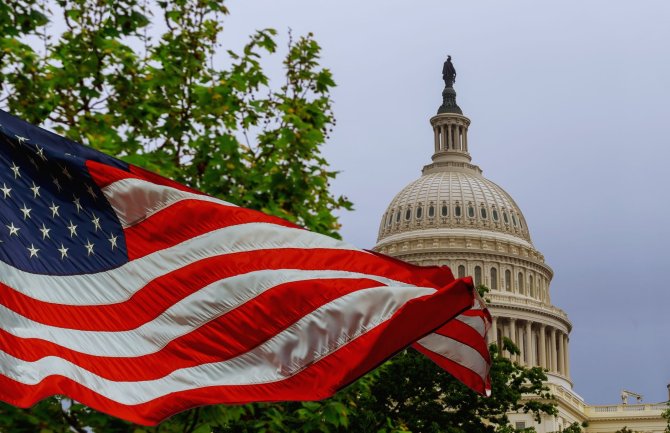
<point>140,297</point>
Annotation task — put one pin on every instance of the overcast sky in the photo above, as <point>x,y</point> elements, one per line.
<point>569,109</point>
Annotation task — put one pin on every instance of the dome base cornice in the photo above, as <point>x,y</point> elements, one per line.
<point>520,307</point>
<point>441,164</point>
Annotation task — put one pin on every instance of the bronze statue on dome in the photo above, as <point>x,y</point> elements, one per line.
<point>449,73</point>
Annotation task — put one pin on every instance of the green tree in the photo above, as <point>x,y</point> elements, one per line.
<point>666,416</point>
<point>413,394</point>
<point>167,104</point>
<point>575,427</point>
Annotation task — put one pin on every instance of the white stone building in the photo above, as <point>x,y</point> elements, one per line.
<point>452,215</point>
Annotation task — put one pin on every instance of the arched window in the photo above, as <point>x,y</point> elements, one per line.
<point>520,281</point>
<point>461,271</point>
<point>494,212</point>
<point>408,214</point>
<point>531,287</point>
<point>514,220</point>
<point>505,217</point>
<point>478,275</point>
<point>508,280</point>
<point>471,211</point>
<point>457,211</point>
<point>445,210</point>
<point>397,216</point>
<point>494,279</point>
<point>419,212</point>
<point>483,213</point>
<point>431,211</point>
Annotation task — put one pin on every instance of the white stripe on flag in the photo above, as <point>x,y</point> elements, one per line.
<point>180,319</point>
<point>313,337</point>
<point>456,351</point>
<point>135,200</point>
<point>94,289</point>
<point>476,323</point>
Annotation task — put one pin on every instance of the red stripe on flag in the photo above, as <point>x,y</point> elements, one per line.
<point>186,219</point>
<point>459,331</point>
<point>164,291</point>
<point>319,380</point>
<point>222,338</point>
<point>468,377</point>
<point>104,175</point>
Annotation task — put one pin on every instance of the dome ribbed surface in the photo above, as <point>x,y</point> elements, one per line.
<point>482,205</point>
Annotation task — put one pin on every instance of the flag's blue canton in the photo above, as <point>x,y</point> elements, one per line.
<point>53,218</point>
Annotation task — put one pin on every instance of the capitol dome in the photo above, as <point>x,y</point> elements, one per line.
<point>452,215</point>
<point>455,199</point>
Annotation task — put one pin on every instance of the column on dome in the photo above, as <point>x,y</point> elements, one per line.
<point>465,139</point>
<point>460,138</point>
<point>521,344</point>
<point>513,337</point>
<point>436,131</point>
<point>459,143</point>
<point>443,137</point>
<point>567,354</point>
<point>561,354</point>
<point>529,345</point>
<point>506,329</point>
<point>493,332</point>
<point>456,138</point>
<point>543,346</point>
<point>553,351</point>
<point>450,142</point>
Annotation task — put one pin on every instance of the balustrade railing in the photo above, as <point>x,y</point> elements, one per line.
<point>629,408</point>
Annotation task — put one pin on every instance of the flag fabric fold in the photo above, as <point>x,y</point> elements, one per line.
<point>141,297</point>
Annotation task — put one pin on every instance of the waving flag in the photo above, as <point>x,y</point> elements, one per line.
<point>140,297</point>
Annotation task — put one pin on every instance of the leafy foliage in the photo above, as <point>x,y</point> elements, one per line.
<point>413,394</point>
<point>666,416</point>
<point>163,103</point>
<point>575,427</point>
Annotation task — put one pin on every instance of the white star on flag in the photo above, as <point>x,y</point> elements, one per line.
<point>112,240</point>
<point>33,251</point>
<point>26,211</point>
<point>13,230</point>
<point>15,168</point>
<point>96,223</point>
<point>89,247</point>
<point>5,190</point>
<point>45,231</point>
<point>54,210</point>
<point>36,190</point>
<point>73,229</point>
<point>63,251</point>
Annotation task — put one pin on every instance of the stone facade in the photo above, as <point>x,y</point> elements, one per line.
<point>454,216</point>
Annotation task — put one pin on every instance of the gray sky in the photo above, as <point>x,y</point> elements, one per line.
<point>569,109</point>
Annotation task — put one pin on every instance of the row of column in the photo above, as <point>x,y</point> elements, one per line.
<point>452,137</point>
<point>540,345</point>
